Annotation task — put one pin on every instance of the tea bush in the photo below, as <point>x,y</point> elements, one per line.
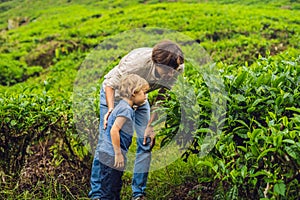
<point>257,154</point>
<point>255,47</point>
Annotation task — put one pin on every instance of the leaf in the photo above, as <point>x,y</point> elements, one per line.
<point>280,188</point>
<point>240,78</point>
<point>288,141</point>
<point>57,53</point>
<point>255,134</point>
<point>244,171</point>
<point>293,109</point>
<point>13,122</point>
<point>204,130</point>
<point>291,152</point>
<point>279,100</point>
<point>239,97</point>
<point>221,164</point>
<point>257,101</point>
<point>233,193</point>
<point>251,109</point>
<point>242,122</point>
<point>254,150</point>
<point>206,163</point>
<point>265,152</point>
<point>277,140</point>
<point>278,81</point>
<point>261,173</point>
<point>272,115</point>
<point>285,121</point>
<point>244,149</point>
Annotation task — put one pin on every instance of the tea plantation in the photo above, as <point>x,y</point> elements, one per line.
<point>237,108</point>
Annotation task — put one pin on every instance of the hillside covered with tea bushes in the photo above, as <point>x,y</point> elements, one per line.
<point>255,55</point>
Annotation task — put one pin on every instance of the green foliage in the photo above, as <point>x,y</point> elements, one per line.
<point>256,48</point>
<point>14,71</point>
<point>232,37</point>
<point>258,153</point>
<point>27,118</point>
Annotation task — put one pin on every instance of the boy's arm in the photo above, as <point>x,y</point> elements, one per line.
<point>115,139</point>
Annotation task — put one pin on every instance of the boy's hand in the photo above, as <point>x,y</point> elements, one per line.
<point>119,161</point>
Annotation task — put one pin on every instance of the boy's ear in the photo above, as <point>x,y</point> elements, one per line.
<point>133,93</point>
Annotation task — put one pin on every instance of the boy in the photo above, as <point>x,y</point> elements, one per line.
<point>118,135</point>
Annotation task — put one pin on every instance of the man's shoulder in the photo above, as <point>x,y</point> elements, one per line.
<point>143,51</point>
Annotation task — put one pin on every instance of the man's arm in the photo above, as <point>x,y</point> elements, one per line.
<point>149,132</point>
<point>110,101</point>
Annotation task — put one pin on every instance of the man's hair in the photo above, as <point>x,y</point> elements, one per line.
<point>131,84</point>
<point>167,53</point>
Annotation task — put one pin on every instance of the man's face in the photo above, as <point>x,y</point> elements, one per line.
<point>166,72</point>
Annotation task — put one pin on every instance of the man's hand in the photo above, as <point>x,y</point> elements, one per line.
<point>149,133</point>
<point>106,118</point>
<point>119,161</point>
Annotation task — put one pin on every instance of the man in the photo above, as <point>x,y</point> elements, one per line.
<point>159,66</point>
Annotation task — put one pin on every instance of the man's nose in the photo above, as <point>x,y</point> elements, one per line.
<point>171,72</point>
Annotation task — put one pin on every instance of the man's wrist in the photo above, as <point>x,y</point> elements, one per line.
<point>150,124</point>
<point>110,110</point>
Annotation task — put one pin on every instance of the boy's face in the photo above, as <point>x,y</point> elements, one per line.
<point>139,98</point>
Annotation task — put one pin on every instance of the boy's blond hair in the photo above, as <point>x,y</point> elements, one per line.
<point>131,84</point>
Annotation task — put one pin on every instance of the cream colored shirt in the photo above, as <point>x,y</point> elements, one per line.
<point>139,62</point>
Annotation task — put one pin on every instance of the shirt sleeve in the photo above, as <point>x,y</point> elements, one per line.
<point>127,115</point>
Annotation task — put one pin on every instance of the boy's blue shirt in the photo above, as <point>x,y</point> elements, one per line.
<point>123,109</point>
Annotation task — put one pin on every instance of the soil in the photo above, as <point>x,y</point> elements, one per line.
<point>40,170</point>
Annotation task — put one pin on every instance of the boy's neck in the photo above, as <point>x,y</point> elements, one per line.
<point>129,101</point>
